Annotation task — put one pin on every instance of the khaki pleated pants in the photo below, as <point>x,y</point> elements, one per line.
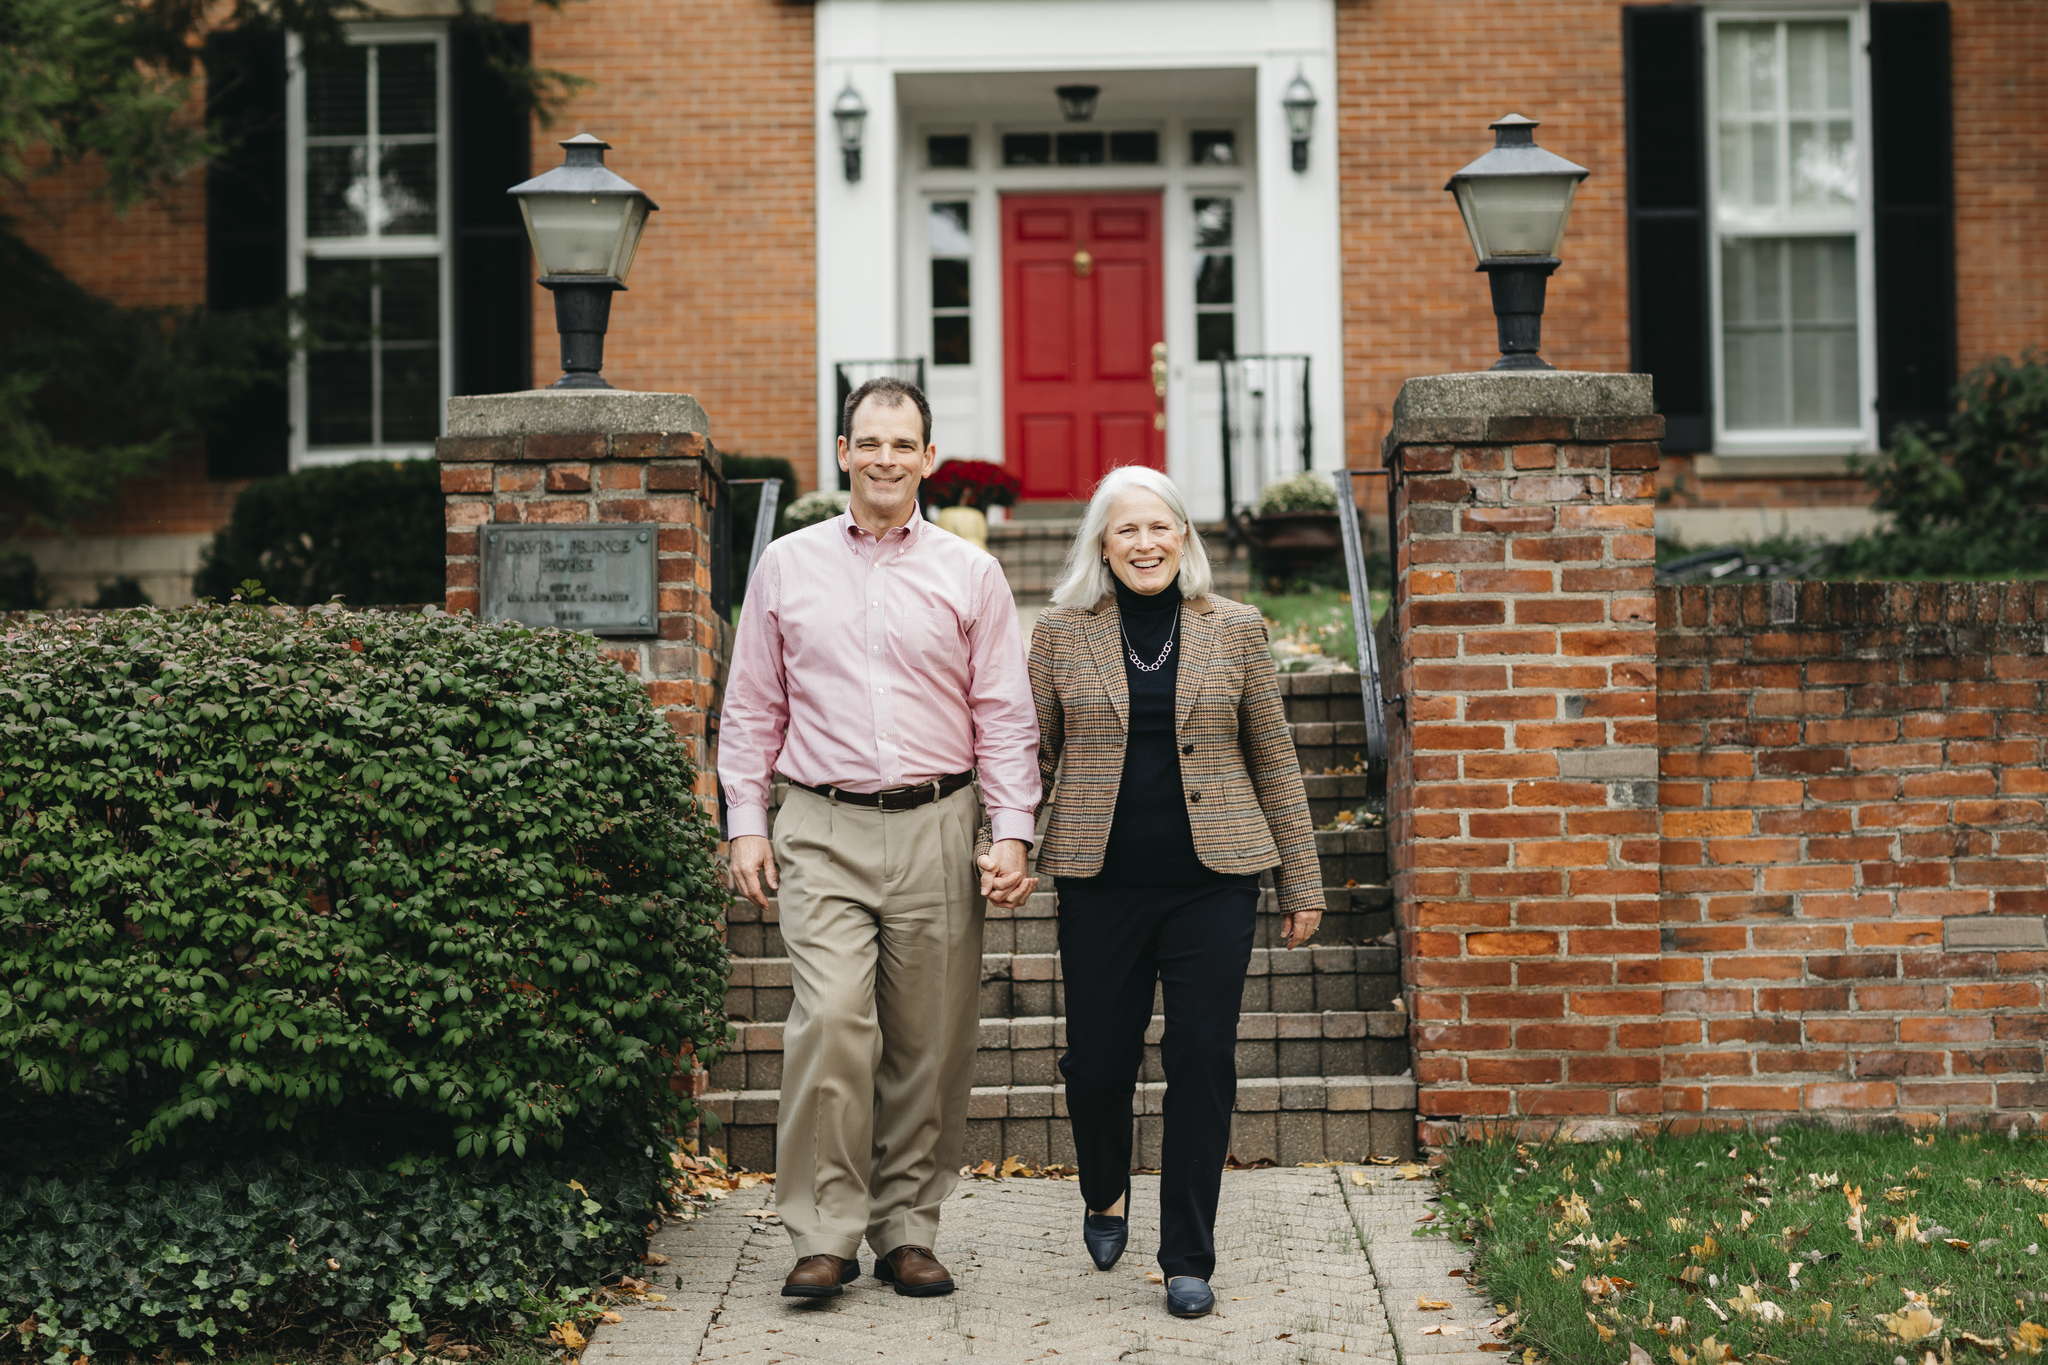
<point>882,915</point>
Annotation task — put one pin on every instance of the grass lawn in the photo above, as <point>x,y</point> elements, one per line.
<point>1316,617</point>
<point>1810,1247</point>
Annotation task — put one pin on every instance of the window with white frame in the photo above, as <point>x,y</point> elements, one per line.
<point>370,244</point>
<point>1215,261</point>
<point>1789,135</point>
<point>952,260</point>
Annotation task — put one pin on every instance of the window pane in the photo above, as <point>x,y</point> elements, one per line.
<point>1212,147</point>
<point>337,190</point>
<point>339,297</point>
<point>405,88</point>
<point>1079,149</point>
<point>1748,68</point>
<point>1027,149</point>
<point>1824,378</point>
<point>1824,172</point>
<point>1213,222</point>
<point>1817,67</point>
<point>406,179</point>
<point>338,397</point>
<point>409,298</point>
<point>1753,326</point>
<point>337,92</point>
<point>949,283</point>
<point>1789,314</point>
<point>412,392</point>
<point>1215,335</point>
<point>1215,279</point>
<point>947,225</point>
<point>950,345</point>
<point>947,150</point>
<point>1134,149</point>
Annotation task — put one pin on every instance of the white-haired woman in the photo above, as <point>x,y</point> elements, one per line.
<point>1178,785</point>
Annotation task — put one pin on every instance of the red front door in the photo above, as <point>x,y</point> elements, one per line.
<point>1081,319</point>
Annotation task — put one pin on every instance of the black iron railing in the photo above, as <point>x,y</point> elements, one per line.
<point>1373,693</point>
<point>851,374</point>
<point>1268,427</point>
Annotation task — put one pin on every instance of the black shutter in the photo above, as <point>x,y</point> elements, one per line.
<point>245,237</point>
<point>491,153</point>
<point>1668,231</point>
<point>1915,213</point>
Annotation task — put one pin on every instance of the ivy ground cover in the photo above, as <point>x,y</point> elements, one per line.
<point>1810,1246</point>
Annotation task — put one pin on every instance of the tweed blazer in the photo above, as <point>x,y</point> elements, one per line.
<point>1240,777</point>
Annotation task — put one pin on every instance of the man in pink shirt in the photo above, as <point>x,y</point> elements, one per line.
<point>879,669</point>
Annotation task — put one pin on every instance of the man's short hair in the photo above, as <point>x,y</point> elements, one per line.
<point>891,391</point>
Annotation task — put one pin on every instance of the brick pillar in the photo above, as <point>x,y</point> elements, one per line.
<point>594,457</point>
<point>1524,788</point>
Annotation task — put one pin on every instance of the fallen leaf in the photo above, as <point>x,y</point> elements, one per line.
<point>654,1258</point>
<point>1011,1165</point>
<point>1432,1305</point>
<point>1958,1243</point>
<point>571,1339</point>
<point>1911,1324</point>
<point>1155,1277</point>
<point>2030,1338</point>
<point>1360,1178</point>
<point>1988,1345</point>
<point>1412,1170</point>
<point>1638,1356</point>
<point>611,1315</point>
<point>1443,1329</point>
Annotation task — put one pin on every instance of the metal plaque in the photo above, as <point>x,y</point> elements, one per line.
<point>594,577</point>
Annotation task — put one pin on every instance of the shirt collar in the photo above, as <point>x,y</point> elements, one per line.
<point>908,530</point>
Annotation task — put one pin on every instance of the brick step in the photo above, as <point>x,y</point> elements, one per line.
<point>1355,915</point>
<point>1026,1051</point>
<point>1288,1120</point>
<point>1013,985</point>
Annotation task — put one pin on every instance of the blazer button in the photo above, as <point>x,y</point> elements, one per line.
<point>1187,748</point>
<point>1194,796</point>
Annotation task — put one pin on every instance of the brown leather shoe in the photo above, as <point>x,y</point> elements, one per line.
<point>819,1277</point>
<point>914,1271</point>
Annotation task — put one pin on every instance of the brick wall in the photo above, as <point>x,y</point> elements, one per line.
<point>1855,849</point>
<point>1419,80</point>
<point>598,478</point>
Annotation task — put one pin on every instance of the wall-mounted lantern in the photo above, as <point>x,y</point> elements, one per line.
<point>1299,102</point>
<point>850,114</point>
<point>584,221</point>
<point>1515,200</point>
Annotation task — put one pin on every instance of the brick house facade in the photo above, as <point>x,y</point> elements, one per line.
<point>768,267</point>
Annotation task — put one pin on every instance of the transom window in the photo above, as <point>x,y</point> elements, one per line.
<point>1790,213</point>
<point>370,244</point>
<point>1082,147</point>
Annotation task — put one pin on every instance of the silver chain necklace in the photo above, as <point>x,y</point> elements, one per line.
<point>1132,653</point>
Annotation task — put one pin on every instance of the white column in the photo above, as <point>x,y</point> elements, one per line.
<point>1301,251</point>
<point>857,223</point>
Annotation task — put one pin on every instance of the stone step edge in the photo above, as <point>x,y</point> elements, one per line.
<point>1255,1095</point>
<point>1045,904</point>
<point>1258,1026</point>
<point>1332,960</point>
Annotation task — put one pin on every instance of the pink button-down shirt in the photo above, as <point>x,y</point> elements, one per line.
<point>870,664</point>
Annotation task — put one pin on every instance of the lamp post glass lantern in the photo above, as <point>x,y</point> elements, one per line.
<point>1299,104</point>
<point>850,115</point>
<point>583,220</point>
<point>1515,200</point>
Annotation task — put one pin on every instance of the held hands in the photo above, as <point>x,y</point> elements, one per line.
<point>1003,879</point>
<point>1300,927</point>
<point>753,868</point>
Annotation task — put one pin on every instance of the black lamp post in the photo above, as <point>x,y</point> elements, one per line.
<point>584,222</point>
<point>1077,102</point>
<point>1515,200</point>
<point>1299,103</point>
<point>850,115</point>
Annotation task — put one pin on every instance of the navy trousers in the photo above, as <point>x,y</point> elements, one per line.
<point>1116,944</point>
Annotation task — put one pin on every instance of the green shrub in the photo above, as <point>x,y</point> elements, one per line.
<point>383,883</point>
<point>371,533</point>
<point>821,504</point>
<point>1971,498</point>
<point>1309,491</point>
<point>215,1256</point>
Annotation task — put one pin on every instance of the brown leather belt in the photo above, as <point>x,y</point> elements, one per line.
<point>895,798</point>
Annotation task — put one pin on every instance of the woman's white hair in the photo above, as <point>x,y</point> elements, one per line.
<point>1086,579</point>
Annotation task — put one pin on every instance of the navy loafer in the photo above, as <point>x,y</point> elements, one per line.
<point>1104,1235</point>
<point>1188,1296</point>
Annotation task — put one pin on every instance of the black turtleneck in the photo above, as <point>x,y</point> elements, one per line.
<point>1149,841</point>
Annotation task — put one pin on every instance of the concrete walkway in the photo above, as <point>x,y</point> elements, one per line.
<point>1313,1266</point>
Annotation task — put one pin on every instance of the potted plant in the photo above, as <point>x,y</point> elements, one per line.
<point>1295,526</point>
<point>963,491</point>
<point>812,508</point>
